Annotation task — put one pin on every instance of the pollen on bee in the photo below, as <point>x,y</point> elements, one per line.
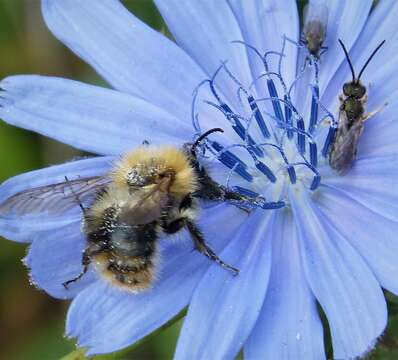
<point>147,163</point>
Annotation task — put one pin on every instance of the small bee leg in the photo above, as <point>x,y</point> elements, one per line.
<point>375,112</point>
<point>85,263</point>
<point>204,249</point>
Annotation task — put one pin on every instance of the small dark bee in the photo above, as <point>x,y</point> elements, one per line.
<point>351,118</point>
<point>315,24</point>
<point>152,191</point>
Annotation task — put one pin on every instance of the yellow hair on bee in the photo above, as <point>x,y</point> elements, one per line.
<point>148,159</point>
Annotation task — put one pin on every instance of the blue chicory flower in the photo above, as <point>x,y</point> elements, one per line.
<point>333,244</point>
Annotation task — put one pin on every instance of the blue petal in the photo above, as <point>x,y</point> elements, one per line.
<point>341,281</point>
<point>263,24</point>
<point>56,257</point>
<point>22,228</point>
<point>371,182</point>
<point>346,20</point>
<point>379,137</point>
<point>88,117</point>
<point>105,319</point>
<point>224,308</point>
<point>127,53</point>
<point>288,326</point>
<point>205,30</point>
<point>376,241</point>
<point>381,25</point>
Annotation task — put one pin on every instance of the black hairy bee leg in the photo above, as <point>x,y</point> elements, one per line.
<point>199,241</point>
<point>85,263</point>
<point>204,249</point>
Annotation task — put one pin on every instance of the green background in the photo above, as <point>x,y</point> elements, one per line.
<point>31,322</point>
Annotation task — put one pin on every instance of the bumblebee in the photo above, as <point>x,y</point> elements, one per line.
<point>351,118</point>
<point>149,193</point>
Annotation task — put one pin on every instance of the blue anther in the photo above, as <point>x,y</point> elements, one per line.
<point>288,117</point>
<point>315,182</point>
<point>232,161</point>
<point>275,102</point>
<point>245,192</point>
<point>314,109</point>
<point>241,131</point>
<point>329,140</point>
<point>313,154</point>
<point>266,171</point>
<point>226,108</point>
<point>301,136</point>
<point>258,116</point>
<point>292,174</point>
<point>273,205</point>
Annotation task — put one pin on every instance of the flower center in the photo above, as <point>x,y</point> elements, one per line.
<point>269,144</point>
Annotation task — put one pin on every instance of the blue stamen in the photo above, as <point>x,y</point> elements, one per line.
<point>275,103</point>
<point>313,154</point>
<point>301,136</point>
<point>265,170</point>
<point>329,140</point>
<point>230,160</point>
<point>315,182</point>
<point>258,116</point>
<point>288,117</point>
<point>273,205</point>
<point>292,174</point>
<point>314,109</point>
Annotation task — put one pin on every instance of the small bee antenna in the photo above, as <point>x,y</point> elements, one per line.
<point>76,196</point>
<point>370,58</point>
<point>201,137</point>
<point>349,61</point>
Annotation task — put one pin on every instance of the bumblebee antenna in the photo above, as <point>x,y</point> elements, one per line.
<point>370,58</point>
<point>203,136</point>
<point>349,61</point>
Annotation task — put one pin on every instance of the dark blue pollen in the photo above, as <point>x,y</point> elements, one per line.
<point>301,136</point>
<point>275,102</point>
<point>259,117</point>
<point>313,154</point>
<point>245,192</point>
<point>288,117</point>
<point>292,174</point>
<point>314,109</point>
<point>315,182</point>
<point>232,161</point>
<point>265,170</point>
<point>329,140</point>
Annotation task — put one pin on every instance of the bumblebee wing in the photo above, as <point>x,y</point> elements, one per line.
<point>55,198</point>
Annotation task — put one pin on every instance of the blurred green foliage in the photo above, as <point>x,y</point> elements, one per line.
<point>32,323</point>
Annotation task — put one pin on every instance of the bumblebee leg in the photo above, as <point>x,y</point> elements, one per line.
<point>204,249</point>
<point>85,263</point>
<point>199,241</point>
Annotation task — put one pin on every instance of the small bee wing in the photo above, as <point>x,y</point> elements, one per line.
<point>316,11</point>
<point>344,148</point>
<point>56,198</point>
